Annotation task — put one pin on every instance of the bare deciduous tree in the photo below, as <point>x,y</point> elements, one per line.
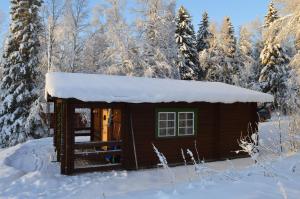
<point>53,11</point>
<point>75,25</point>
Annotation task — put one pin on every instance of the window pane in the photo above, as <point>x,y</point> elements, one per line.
<point>162,116</point>
<point>182,116</point>
<point>190,116</point>
<point>162,124</point>
<point>171,123</point>
<point>182,123</point>
<point>190,123</point>
<point>189,131</point>
<point>162,132</point>
<point>171,116</point>
<point>171,132</point>
<point>181,131</point>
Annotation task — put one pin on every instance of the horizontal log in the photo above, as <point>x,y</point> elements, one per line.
<point>82,134</point>
<point>97,154</point>
<point>104,167</point>
<point>88,145</point>
<point>82,128</point>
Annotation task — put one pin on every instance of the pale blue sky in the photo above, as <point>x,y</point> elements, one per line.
<point>240,11</point>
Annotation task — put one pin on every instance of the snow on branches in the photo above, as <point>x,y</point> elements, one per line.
<point>19,118</point>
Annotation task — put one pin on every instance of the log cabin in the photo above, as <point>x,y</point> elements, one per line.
<point>129,115</point>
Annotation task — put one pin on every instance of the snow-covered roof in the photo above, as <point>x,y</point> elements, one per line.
<point>107,88</point>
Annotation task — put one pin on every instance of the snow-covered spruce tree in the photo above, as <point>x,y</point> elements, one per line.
<point>19,115</point>
<point>228,45</point>
<point>188,63</point>
<point>297,42</point>
<point>255,27</point>
<point>288,26</point>
<point>245,44</point>
<point>257,48</point>
<point>296,59</point>
<point>275,71</point>
<point>203,35</point>
<point>228,40</point>
<point>206,41</point>
<point>271,16</point>
<point>212,59</point>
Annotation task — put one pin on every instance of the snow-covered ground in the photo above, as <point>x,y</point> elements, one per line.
<point>26,171</point>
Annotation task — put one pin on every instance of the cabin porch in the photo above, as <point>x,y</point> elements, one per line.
<point>88,136</point>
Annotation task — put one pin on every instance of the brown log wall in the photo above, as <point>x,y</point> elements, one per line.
<point>219,128</point>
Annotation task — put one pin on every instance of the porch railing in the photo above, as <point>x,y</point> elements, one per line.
<point>97,156</point>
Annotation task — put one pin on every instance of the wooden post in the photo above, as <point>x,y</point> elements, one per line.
<point>70,138</point>
<point>63,139</point>
<point>55,127</point>
<point>92,130</point>
<point>217,118</point>
<point>48,118</point>
<point>58,128</point>
<point>124,136</point>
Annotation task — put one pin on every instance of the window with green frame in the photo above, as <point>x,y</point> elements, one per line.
<point>172,122</point>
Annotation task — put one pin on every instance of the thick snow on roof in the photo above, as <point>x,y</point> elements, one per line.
<point>107,88</point>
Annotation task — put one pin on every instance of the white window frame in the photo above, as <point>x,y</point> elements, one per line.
<point>178,125</point>
<point>158,125</point>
